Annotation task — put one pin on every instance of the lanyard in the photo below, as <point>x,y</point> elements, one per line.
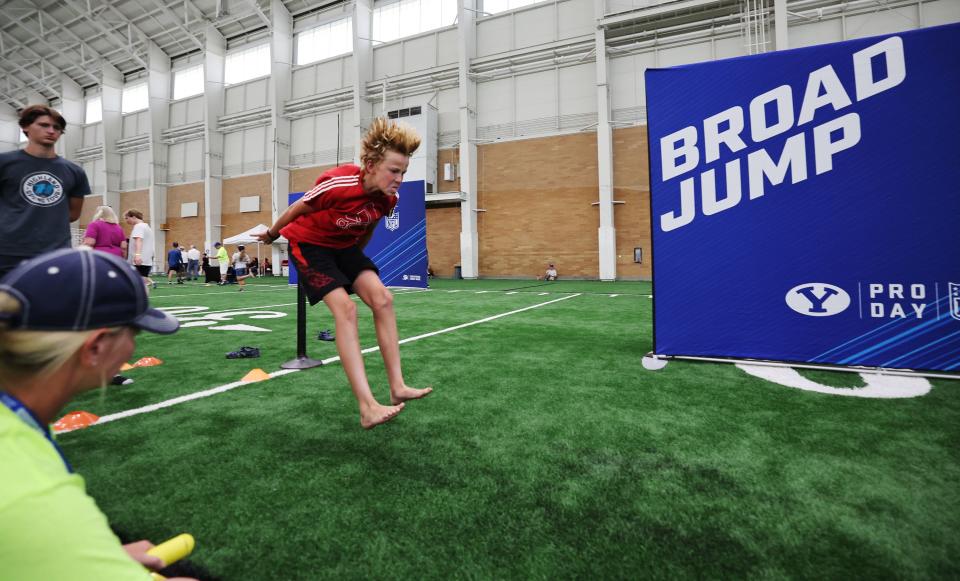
<point>24,413</point>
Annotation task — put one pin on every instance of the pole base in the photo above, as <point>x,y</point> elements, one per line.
<point>301,363</point>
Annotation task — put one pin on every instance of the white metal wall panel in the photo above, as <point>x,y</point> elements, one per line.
<point>388,60</point>
<point>178,113</point>
<point>233,100</point>
<point>575,18</point>
<point>730,47</point>
<point>941,12</point>
<point>256,94</point>
<point>448,110</point>
<point>536,95</point>
<point>301,136</point>
<point>92,134</point>
<point>495,102</point>
<point>128,171</point>
<point>578,89</point>
<point>625,76</point>
<point>882,22</point>
<point>494,35</point>
<point>195,109</point>
<point>447,47</point>
<point>176,157</point>
<point>232,152</point>
<point>304,82</point>
<point>193,164</point>
<point>331,75</point>
<point>255,148</point>
<point>535,26</point>
<point>131,125</point>
<point>685,54</point>
<point>420,53</point>
<point>814,33</point>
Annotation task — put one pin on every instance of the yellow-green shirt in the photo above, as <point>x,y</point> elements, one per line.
<point>222,256</point>
<point>49,527</point>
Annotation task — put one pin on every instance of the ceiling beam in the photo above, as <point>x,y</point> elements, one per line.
<point>116,38</point>
<point>181,26</point>
<point>57,51</point>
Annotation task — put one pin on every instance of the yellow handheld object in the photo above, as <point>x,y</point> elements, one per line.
<point>174,549</point>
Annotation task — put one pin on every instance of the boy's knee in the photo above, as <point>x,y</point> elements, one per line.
<point>382,300</point>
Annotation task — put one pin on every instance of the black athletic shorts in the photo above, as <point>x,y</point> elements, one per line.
<point>323,269</point>
<point>143,269</point>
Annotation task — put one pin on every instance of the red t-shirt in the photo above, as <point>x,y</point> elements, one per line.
<point>343,211</point>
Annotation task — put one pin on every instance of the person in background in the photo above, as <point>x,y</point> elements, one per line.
<point>240,261</point>
<point>551,273</point>
<point>105,234</point>
<point>68,321</point>
<point>193,263</point>
<point>327,230</point>
<point>40,192</point>
<point>141,244</point>
<point>175,263</point>
<point>223,261</point>
<point>267,267</point>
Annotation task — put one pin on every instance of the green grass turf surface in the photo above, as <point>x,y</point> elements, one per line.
<point>547,451</point>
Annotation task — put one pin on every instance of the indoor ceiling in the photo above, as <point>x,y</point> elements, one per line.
<point>42,39</point>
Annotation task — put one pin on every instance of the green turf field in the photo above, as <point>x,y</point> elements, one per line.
<point>546,451</point>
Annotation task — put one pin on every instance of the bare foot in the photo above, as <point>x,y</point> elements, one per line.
<point>407,393</point>
<point>379,414</point>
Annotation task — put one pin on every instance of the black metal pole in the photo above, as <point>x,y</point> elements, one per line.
<point>302,361</point>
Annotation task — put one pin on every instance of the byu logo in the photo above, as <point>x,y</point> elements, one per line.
<point>393,220</point>
<point>41,189</point>
<point>817,299</point>
<point>954,300</point>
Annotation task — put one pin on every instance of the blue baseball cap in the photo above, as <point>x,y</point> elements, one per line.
<point>79,290</point>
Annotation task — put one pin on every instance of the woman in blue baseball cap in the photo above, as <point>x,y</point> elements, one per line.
<point>68,321</point>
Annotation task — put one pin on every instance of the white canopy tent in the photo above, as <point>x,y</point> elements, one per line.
<point>247,237</point>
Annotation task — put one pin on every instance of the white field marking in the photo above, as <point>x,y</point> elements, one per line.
<point>613,296</point>
<point>481,292</point>
<point>877,386</point>
<point>152,297</point>
<point>227,310</point>
<point>511,293</point>
<point>241,327</point>
<point>453,291</point>
<point>542,294</point>
<point>225,388</point>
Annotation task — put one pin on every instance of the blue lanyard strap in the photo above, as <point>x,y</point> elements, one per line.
<point>24,413</point>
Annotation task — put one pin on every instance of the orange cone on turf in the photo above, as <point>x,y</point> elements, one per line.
<point>75,421</point>
<point>255,375</point>
<point>126,367</point>
<point>147,362</point>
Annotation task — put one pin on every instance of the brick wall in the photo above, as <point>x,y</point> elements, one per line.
<point>186,231</point>
<point>234,222</point>
<point>631,184</point>
<point>443,238</point>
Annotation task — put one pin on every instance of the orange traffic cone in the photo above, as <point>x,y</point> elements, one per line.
<point>147,362</point>
<point>255,375</point>
<point>75,421</point>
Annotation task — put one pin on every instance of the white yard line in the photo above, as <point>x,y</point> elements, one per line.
<point>227,387</point>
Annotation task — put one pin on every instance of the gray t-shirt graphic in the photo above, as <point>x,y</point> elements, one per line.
<point>34,202</point>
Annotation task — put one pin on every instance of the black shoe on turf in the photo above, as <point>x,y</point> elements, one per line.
<point>326,335</point>
<point>244,353</point>
<point>120,380</point>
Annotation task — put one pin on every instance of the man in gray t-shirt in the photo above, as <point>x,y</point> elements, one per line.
<point>40,192</point>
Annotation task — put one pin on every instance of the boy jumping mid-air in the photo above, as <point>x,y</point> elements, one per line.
<point>328,229</point>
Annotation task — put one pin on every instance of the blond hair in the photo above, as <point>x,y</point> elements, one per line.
<point>384,135</point>
<point>26,353</point>
<point>106,214</point>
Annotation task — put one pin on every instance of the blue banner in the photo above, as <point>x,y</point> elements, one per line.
<point>399,244</point>
<point>806,204</point>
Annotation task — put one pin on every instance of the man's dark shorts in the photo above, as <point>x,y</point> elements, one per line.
<point>8,263</point>
<point>323,269</point>
<point>144,269</point>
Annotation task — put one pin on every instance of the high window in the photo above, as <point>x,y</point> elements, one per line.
<point>247,63</point>
<point>94,113</point>
<point>325,41</point>
<point>401,18</point>
<point>187,82</point>
<point>134,98</point>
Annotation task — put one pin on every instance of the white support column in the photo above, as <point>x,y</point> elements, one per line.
<point>158,90</point>
<point>607,233</point>
<point>9,128</point>
<point>281,79</point>
<point>362,70</point>
<point>71,107</point>
<point>214,61</point>
<point>111,91</point>
<point>469,241</point>
<point>780,24</point>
